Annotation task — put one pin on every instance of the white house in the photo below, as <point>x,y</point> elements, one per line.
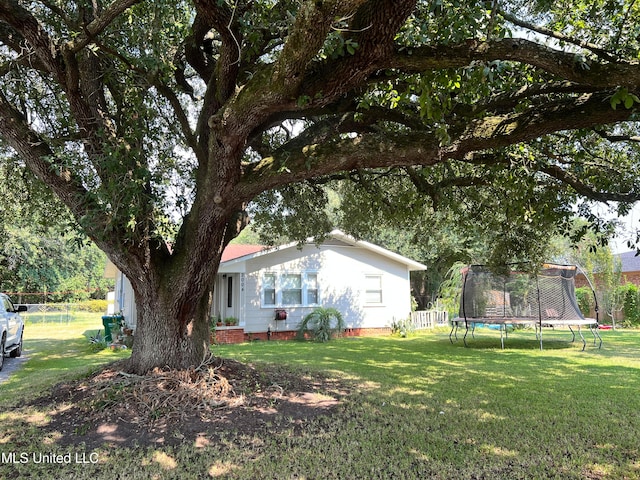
<point>368,284</point>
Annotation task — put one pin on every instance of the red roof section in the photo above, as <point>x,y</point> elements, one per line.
<point>236,251</point>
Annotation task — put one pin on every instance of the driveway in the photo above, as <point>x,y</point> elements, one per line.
<point>11,365</point>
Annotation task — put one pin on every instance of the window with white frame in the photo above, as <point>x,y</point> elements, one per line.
<point>269,289</point>
<point>373,289</point>
<point>312,289</point>
<point>290,289</point>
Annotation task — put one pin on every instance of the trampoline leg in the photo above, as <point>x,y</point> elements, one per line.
<point>501,337</point>
<point>464,339</point>
<point>454,325</point>
<point>596,336</point>
<point>584,342</point>
<point>573,338</point>
<point>540,326</point>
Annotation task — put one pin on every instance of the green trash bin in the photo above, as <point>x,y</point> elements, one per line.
<point>107,322</point>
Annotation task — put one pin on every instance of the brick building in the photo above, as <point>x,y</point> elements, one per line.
<point>630,270</point>
<point>630,267</point>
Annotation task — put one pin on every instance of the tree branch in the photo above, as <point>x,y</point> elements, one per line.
<point>505,102</point>
<point>194,53</point>
<point>41,160</point>
<point>99,24</point>
<point>295,82</point>
<point>346,122</point>
<point>165,92</point>
<point>617,138</point>
<point>221,80</point>
<point>568,66</point>
<point>222,18</point>
<point>425,186</point>
<point>587,191</point>
<point>62,65</point>
<point>503,130</point>
<point>434,190</point>
<point>12,39</point>
<point>373,28</point>
<point>600,52</point>
<point>312,24</point>
<point>408,148</point>
<point>23,22</point>
<point>325,158</point>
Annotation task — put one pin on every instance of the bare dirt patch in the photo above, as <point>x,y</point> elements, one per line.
<point>220,399</point>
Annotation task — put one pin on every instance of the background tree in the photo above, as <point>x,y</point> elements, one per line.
<point>157,123</point>
<point>597,261</point>
<point>40,248</point>
<point>45,266</point>
<point>605,272</point>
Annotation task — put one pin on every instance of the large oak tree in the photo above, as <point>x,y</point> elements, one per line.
<point>158,123</point>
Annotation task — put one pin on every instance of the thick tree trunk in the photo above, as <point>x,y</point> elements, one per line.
<point>174,292</point>
<point>169,334</point>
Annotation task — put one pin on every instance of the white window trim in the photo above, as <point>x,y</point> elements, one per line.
<point>262,289</point>
<point>366,303</point>
<point>278,287</point>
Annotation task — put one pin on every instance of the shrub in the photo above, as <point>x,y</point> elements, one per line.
<point>322,324</point>
<point>631,305</point>
<point>402,328</point>
<point>585,299</point>
<point>451,289</point>
<point>95,306</point>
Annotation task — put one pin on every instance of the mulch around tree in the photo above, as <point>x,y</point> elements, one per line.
<point>219,400</point>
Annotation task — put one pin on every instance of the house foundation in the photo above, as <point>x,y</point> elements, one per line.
<point>238,335</point>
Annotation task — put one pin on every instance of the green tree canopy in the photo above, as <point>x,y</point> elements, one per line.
<point>158,123</point>
<point>44,266</point>
<point>40,247</point>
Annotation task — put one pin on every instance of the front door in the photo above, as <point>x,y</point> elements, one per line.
<point>229,299</point>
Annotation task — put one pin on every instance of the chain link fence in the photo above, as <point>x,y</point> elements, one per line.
<point>51,312</point>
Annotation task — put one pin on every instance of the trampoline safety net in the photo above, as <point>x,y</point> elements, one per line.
<point>547,298</point>
<point>549,295</point>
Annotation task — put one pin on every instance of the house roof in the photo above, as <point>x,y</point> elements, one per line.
<point>235,251</point>
<point>231,252</point>
<point>412,264</point>
<point>336,235</point>
<point>630,261</point>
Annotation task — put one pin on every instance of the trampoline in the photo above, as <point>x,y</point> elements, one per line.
<point>544,299</point>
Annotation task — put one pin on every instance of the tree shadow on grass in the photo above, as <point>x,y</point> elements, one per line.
<point>450,411</point>
<point>168,408</point>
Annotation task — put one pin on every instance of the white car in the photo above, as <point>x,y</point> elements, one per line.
<point>11,328</point>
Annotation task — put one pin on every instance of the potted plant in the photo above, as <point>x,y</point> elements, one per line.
<point>230,321</point>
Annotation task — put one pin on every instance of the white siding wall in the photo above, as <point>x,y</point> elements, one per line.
<point>125,301</point>
<point>341,273</point>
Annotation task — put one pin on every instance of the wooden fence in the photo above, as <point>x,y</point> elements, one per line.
<point>423,319</point>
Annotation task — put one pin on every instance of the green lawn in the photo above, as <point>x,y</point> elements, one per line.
<point>57,348</point>
<point>422,408</point>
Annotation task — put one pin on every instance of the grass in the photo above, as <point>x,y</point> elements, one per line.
<point>423,408</point>
<point>56,350</point>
